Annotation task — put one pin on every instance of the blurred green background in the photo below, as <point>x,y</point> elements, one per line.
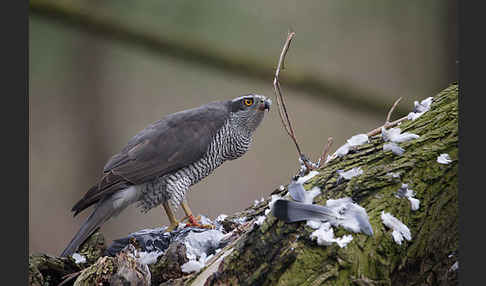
<point>89,92</point>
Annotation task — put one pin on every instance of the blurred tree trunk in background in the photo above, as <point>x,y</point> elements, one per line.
<point>85,94</point>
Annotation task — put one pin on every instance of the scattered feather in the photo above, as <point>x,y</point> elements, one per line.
<point>357,140</point>
<point>296,191</point>
<point>303,168</point>
<point>395,135</point>
<point>221,217</point>
<point>198,246</point>
<point>342,212</point>
<point>273,199</point>
<point>240,220</point>
<point>311,194</point>
<point>405,192</point>
<point>412,116</point>
<point>257,202</point>
<point>400,231</point>
<point>341,151</point>
<point>397,150</point>
<point>350,173</point>
<point>444,159</point>
<point>325,236</point>
<point>198,243</point>
<point>149,257</point>
<point>194,265</point>
<point>420,108</point>
<point>414,203</point>
<point>352,142</point>
<point>314,224</point>
<point>78,258</point>
<point>260,220</point>
<point>307,177</point>
<point>352,216</point>
<point>423,106</point>
<point>299,194</point>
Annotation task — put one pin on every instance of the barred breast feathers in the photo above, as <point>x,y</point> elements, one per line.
<point>228,143</point>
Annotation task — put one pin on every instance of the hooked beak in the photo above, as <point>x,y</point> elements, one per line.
<point>265,105</point>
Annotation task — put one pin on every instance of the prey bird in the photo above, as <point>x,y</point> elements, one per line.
<point>161,162</point>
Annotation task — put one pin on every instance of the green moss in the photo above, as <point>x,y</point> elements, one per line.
<point>282,254</point>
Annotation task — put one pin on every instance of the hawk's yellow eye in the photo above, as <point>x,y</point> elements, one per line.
<point>248,102</point>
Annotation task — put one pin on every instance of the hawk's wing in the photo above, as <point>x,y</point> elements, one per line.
<point>167,145</point>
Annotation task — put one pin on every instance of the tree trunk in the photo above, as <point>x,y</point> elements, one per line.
<point>282,254</point>
<point>279,253</point>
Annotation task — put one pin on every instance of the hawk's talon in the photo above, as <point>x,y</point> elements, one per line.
<point>193,222</point>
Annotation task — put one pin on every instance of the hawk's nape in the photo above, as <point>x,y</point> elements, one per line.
<point>160,163</point>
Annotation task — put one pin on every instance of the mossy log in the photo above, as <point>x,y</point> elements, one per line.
<point>279,253</point>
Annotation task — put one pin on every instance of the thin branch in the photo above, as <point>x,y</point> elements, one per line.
<point>284,117</point>
<point>388,124</point>
<point>282,109</point>
<point>276,84</point>
<point>391,111</point>
<point>322,161</point>
<point>391,124</point>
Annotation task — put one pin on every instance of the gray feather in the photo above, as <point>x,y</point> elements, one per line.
<point>351,217</point>
<point>109,207</point>
<point>102,213</point>
<point>289,211</point>
<point>296,191</point>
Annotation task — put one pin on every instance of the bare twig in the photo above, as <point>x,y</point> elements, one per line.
<point>276,84</point>
<point>322,161</point>
<point>391,124</point>
<point>282,109</point>
<point>391,111</point>
<point>388,124</point>
<point>284,116</point>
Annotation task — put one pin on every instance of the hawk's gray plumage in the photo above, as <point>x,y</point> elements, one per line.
<point>161,162</point>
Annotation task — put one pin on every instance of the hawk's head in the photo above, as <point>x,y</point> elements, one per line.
<point>248,110</point>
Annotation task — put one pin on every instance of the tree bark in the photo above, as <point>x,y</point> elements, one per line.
<point>279,253</point>
<point>282,254</point>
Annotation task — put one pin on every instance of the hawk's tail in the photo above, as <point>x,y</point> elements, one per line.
<point>104,211</point>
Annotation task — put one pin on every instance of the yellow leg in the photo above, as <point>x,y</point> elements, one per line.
<point>192,219</point>
<point>172,219</point>
<point>186,209</point>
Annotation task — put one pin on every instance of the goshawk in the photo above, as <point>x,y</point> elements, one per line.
<point>160,163</point>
